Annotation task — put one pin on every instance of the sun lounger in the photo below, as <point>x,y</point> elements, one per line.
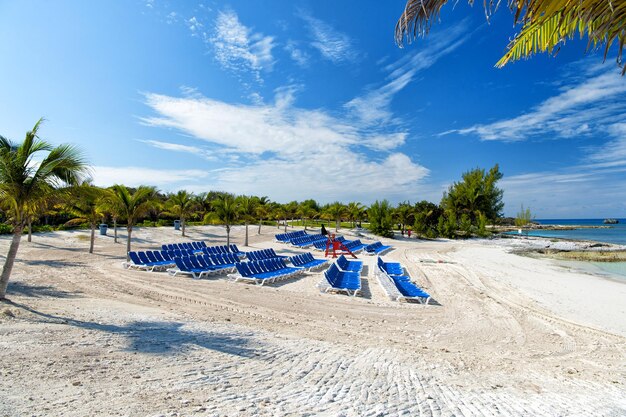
<point>339,281</point>
<point>399,287</point>
<point>349,266</point>
<point>377,248</point>
<point>265,271</point>
<point>308,262</point>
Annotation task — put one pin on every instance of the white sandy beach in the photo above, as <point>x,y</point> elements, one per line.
<point>508,335</point>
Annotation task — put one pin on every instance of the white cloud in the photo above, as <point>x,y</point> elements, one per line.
<point>131,176</point>
<point>176,147</point>
<point>374,107</point>
<point>299,56</point>
<point>333,45</point>
<point>585,107</point>
<point>291,153</point>
<point>238,48</point>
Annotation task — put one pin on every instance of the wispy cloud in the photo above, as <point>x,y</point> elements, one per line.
<point>374,106</point>
<point>333,45</point>
<point>176,147</point>
<point>134,176</point>
<point>297,54</point>
<point>289,152</point>
<point>238,48</point>
<point>586,106</point>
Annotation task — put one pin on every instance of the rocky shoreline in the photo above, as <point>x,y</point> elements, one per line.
<point>567,249</point>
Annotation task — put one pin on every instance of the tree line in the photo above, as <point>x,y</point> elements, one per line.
<point>57,191</point>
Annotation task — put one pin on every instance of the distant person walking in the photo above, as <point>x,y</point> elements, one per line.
<point>409,233</point>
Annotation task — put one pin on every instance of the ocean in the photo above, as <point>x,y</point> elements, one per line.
<point>615,234</point>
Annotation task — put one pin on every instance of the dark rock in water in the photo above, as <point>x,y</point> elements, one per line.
<point>611,221</point>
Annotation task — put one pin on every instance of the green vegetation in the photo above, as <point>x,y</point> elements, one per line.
<point>24,183</point>
<point>524,217</point>
<point>380,217</point>
<point>545,25</point>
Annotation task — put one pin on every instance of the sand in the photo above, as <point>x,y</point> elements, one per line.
<point>506,335</point>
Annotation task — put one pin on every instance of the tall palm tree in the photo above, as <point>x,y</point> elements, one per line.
<point>546,24</point>
<point>23,181</point>
<point>226,208</point>
<point>354,210</point>
<point>181,204</point>
<point>132,206</point>
<point>247,209</point>
<point>85,203</point>
<point>336,211</point>
<point>262,210</point>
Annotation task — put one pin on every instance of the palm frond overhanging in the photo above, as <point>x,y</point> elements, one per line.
<point>546,24</point>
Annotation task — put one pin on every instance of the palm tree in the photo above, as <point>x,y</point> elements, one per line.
<point>111,205</point>
<point>336,211</point>
<point>132,206</point>
<point>181,204</point>
<point>247,209</point>
<point>22,181</point>
<point>225,207</point>
<point>355,211</point>
<point>85,203</point>
<point>262,210</point>
<point>546,24</point>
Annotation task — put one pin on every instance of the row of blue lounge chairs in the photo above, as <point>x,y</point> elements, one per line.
<point>286,237</point>
<point>307,240</point>
<point>397,285</point>
<point>377,248</point>
<point>184,245</point>
<point>204,265</point>
<point>261,271</point>
<point>149,260</point>
<point>264,271</point>
<point>307,261</point>
<point>344,276</point>
<point>263,254</point>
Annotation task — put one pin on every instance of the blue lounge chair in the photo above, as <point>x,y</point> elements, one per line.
<point>339,281</point>
<point>349,266</point>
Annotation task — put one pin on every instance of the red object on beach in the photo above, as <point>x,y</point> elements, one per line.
<point>337,247</point>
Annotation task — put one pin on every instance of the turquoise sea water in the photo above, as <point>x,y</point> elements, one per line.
<point>615,234</point>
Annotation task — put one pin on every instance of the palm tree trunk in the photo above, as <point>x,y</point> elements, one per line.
<point>228,235</point>
<point>10,260</point>
<point>30,230</point>
<point>336,225</point>
<point>285,224</point>
<point>260,223</point>
<point>115,229</point>
<point>129,229</point>
<point>93,237</point>
<point>246,242</point>
<point>182,222</point>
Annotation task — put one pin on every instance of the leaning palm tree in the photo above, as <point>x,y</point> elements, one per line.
<point>546,24</point>
<point>132,206</point>
<point>84,201</point>
<point>226,208</point>
<point>181,204</point>
<point>23,181</point>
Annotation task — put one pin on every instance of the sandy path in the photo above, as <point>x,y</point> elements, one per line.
<point>92,338</point>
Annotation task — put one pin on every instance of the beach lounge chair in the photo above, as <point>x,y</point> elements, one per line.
<point>339,281</point>
<point>377,248</point>
<point>349,266</point>
<point>185,267</point>
<point>308,262</point>
<point>391,268</point>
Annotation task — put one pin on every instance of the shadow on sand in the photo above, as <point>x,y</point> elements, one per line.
<point>39,291</point>
<point>159,337</point>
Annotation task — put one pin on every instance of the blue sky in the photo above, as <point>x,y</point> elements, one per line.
<point>313,99</point>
